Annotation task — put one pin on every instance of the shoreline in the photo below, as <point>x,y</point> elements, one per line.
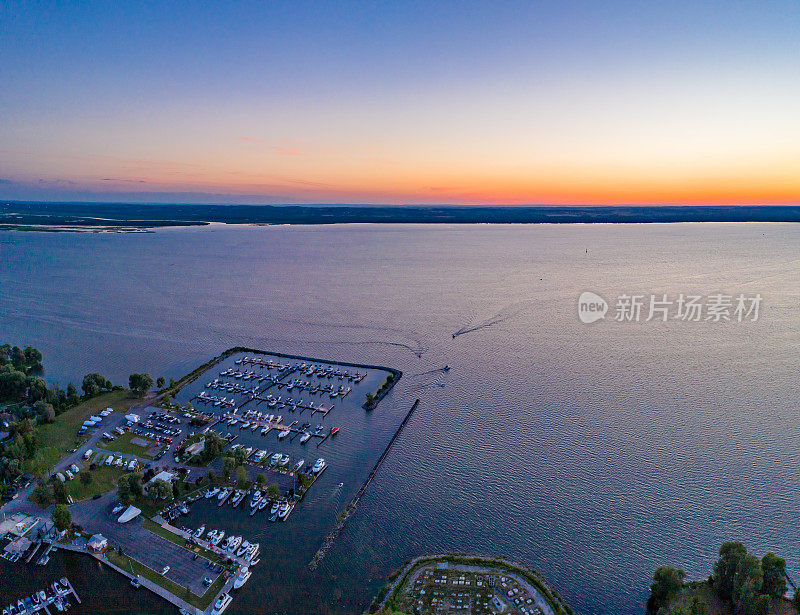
<point>135,218</point>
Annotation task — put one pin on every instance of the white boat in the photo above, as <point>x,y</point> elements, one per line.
<point>221,604</point>
<point>234,543</point>
<point>284,511</point>
<point>299,464</point>
<point>256,498</point>
<point>284,460</point>
<point>305,437</point>
<point>275,507</point>
<point>243,549</point>
<point>199,532</point>
<point>320,463</point>
<point>242,577</point>
<point>218,537</point>
<point>262,504</point>
<point>264,431</point>
<point>223,494</point>
<point>212,492</point>
<point>283,434</point>
<point>275,458</point>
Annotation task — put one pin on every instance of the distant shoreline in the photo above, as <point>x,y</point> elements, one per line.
<point>120,217</point>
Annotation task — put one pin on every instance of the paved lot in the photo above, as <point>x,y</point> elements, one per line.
<point>144,546</point>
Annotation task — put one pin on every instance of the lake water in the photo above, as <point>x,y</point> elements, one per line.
<point>593,453</point>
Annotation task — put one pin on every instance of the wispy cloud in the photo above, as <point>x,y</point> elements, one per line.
<point>127,181</point>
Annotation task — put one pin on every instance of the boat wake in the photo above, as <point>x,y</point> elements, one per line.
<point>509,312</point>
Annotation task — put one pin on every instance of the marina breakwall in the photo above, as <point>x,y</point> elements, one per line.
<point>351,507</point>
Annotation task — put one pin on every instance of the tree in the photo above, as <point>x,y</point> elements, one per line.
<point>370,399</point>
<point>228,464</point>
<point>730,556</point>
<point>774,570</point>
<point>62,518</point>
<point>261,479</point>
<point>211,476</point>
<point>85,477</point>
<point>42,495</point>
<point>12,383</point>
<point>37,388</point>
<point>241,476</point>
<point>240,455</point>
<point>747,582</point>
<point>667,582</point>
<point>59,491</point>
<point>273,491</point>
<point>140,384</point>
<point>135,484</point>
<point>213,446</point>
<point>93,384</point>
<point>44,411</point>
<point>796,598</point>
<point>160,382</point>
<point>123,490</point>
<point>72,393</point>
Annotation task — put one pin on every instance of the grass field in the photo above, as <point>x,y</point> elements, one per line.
<point>60,437</point>
<point>104,479</point>
<point>123,444</point>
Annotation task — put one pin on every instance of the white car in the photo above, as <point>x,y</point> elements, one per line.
<point>118,463</point>
<point>75,469</point>
<point>69,474</point>
<point>88,454</point>
<point>109,460</point>
<point>165,571</point>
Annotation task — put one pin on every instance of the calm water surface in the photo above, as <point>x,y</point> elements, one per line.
<point>592,453</point>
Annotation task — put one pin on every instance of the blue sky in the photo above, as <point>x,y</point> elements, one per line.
<point>401,102</point>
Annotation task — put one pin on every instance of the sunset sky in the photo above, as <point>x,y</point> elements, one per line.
<point>401,102</point>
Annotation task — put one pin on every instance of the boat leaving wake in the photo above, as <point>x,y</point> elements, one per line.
<point>509,312</point>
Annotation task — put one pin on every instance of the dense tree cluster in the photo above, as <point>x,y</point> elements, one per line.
<point>25,400</point>
<point>746,584</point>
<point>139,384</point>
<point>129,487</point>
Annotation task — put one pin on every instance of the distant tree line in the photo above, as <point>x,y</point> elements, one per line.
<point>745,584</point>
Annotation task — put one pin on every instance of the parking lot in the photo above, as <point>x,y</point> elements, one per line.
<point>142,545</point>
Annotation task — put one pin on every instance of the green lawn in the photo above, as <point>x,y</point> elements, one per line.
<point>61,436</point>
<point>129,564</point>
<point>104,479</point>
<point>123,444</point>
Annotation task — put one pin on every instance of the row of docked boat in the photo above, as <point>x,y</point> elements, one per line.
<point>214,400</point>
<point>279,509</point>
<point>322,371</point>
<point>314,388</point>
<point>262,363</point>
<point>234,546</point>
<point>54,595</point>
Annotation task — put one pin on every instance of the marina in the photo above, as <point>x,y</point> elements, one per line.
<point>55,598</point>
